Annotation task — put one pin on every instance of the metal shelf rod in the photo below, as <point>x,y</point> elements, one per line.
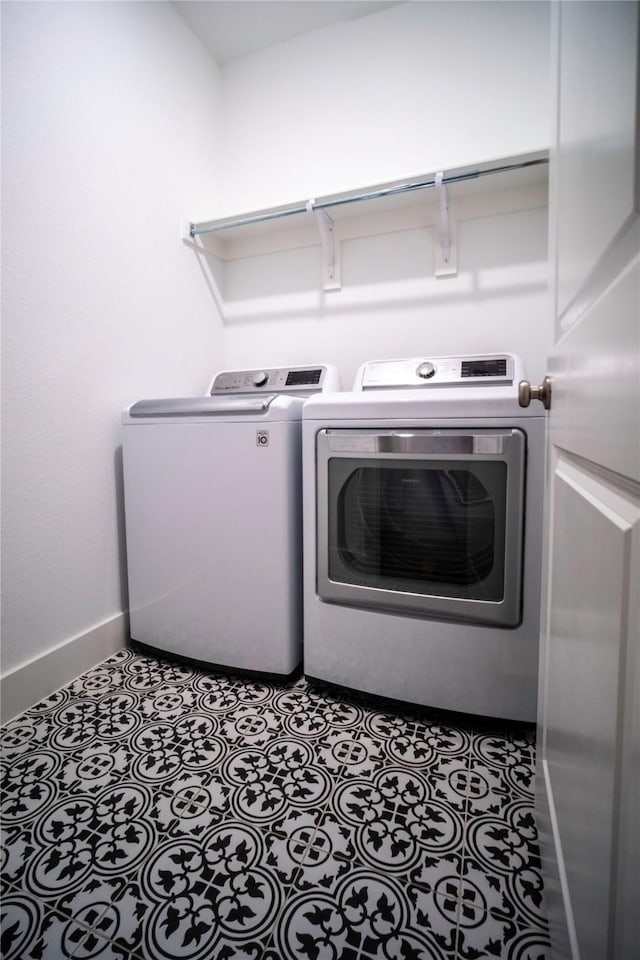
<point>279,213</point>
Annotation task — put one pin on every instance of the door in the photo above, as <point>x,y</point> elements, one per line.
<point>589,721</point>
<point>423,521</point>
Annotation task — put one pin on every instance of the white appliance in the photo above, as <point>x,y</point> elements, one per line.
<point>423,493</point>
<point>213,519</point>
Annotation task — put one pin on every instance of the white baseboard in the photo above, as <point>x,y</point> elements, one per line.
<point>42,676</point>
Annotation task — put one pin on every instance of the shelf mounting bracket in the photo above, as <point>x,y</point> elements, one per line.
<point>330,247</point>
<point>446,254</point>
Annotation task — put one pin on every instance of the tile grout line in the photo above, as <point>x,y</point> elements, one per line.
<point>229,816</point>
<point>63,914</point>
<point>463,845</point>
<point>335,774</point>
<point>292,891</point>
<point>324,810</point>
<point>53,910</point>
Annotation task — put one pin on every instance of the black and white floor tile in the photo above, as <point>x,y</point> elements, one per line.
<point>151,811</point>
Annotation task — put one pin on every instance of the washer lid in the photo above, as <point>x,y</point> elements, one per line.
<point>200,406</point>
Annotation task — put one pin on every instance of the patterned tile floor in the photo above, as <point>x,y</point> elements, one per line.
<point>152,812</point>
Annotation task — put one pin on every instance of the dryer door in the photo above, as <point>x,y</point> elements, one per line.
<point>424,521</point>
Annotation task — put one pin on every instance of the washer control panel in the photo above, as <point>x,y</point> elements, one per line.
<point>495,369</point>
<point>298,381</point>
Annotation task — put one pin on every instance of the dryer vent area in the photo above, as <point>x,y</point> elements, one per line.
<point>152,810</point>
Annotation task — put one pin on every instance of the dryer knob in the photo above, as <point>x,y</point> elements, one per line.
<point>426,370</point>
<point>260,378</point>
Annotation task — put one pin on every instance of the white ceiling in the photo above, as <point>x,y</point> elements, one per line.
<point>234,28</point>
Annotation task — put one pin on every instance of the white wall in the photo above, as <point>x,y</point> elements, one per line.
<point>110,119</point>
<point>391,304</point>
<point>416,88</point>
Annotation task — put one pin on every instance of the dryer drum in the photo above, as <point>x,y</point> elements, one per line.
<point>433,527</point>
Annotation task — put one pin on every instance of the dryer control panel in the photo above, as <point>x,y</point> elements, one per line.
<point>297,381</point>
<point>494,369</point>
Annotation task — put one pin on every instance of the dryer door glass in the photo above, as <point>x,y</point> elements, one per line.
<point>427,521</point>
<point>432,529</point>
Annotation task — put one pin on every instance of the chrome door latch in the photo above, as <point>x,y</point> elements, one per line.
<point>527,393</point>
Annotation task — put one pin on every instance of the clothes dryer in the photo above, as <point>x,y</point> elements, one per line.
<point>214,519</point>
<point>423,493</point>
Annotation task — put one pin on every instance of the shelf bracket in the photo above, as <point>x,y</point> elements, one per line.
<point>446,254</point>
<point>330,247</point>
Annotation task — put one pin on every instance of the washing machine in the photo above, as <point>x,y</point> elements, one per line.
<point>423,503</point>
<point>214,520</point>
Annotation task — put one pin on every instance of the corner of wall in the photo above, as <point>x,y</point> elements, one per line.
<point>42,676</point>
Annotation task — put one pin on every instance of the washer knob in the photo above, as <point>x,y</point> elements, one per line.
<point>426,370</point>
<point>260,378</point>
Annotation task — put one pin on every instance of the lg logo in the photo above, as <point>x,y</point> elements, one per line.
<point>262,438</point>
